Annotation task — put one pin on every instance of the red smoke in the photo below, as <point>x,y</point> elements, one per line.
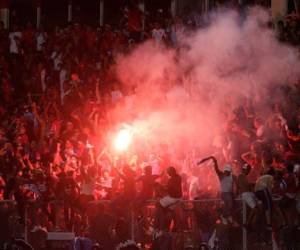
<point>185,97</point>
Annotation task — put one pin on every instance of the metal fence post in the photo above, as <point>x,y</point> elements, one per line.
<point>26,224</point>
<point>245,243</point>
<point>132,224</point>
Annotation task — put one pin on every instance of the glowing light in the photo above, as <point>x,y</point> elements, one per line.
<point>123,139</point>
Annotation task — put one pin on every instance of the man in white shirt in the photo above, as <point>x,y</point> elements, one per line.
<point>158,34</point>
<point>40,40</point>
<point>194,187</point>
<point>227,183</point>
<point>56,57</point>
<point>14,40</point>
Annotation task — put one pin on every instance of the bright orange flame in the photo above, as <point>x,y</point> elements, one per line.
<point>123,139</point>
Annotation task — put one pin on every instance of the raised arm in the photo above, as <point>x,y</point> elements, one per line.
<point>216,166</point>
<point>248,157</point>
<point>204,160</point>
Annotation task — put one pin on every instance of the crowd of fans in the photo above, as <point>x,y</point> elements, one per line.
<point>288,29</point>
<point>56,90</point>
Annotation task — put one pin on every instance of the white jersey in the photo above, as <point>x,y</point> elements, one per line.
<point>40,40</point>
<point>226,184</point>
<point>57,59</point>
<point>13,45</point>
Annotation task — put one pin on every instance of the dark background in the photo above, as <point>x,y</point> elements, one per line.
<point>84,11</point>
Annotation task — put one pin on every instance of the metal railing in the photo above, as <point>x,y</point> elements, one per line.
<point>243,210</point>
<point>190,204</point>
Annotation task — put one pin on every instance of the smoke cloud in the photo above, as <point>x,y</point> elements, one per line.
<point>184,97</point>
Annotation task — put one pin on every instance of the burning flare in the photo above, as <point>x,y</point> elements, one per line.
<point>123,139</point>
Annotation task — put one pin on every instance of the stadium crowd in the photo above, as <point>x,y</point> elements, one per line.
<point>56,88</point>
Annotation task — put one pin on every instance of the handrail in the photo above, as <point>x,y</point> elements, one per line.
<point>274,198</point>
<point>154,201</point>
<point>8,201</point>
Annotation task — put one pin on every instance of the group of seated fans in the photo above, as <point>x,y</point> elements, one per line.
<point>57,87</point>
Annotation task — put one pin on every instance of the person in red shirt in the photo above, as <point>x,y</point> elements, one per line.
<point>172,197</point>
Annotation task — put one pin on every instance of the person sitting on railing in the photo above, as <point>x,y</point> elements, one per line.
<point>148,181</point>
<point>170,200</point>
<point>173,189</point>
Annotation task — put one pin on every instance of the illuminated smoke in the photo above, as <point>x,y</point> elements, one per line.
<point>184,98</point>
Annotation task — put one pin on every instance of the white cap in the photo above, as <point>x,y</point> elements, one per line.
<point>228,168</point>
